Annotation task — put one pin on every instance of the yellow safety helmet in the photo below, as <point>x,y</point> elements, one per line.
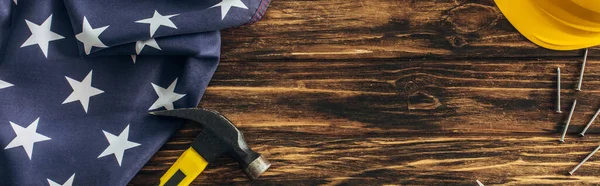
<point>555,24</point>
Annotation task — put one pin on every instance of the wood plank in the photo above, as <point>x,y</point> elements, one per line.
<point>429,97</point>
<point>309,159</point>
<point>384,122</point>
<point>406,29</point>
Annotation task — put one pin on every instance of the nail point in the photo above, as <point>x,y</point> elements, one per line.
<point>584,160</point>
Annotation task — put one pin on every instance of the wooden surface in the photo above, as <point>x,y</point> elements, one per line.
<point>396,92</point>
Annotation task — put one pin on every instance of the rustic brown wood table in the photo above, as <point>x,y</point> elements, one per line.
<point>400,92</point>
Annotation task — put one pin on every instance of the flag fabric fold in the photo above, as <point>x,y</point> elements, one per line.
<point>142,20</point>
<point>77,79</point>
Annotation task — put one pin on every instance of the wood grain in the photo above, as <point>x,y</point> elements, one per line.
<point>299,159</point>
<point>431,97</point>
<point>381,29</point>
<point>425,123</point>
<point>396,92</point>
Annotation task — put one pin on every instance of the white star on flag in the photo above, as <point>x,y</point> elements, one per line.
<point>133,58</point>
<point>4,84</point>
<point>158,20</point>
<point>166,97</point>
<point>82,91</point>
<point>26,137</point>
<point>227,4</point>
<point>90,36</point>
<point>139,45</point>
<point>118,144</point>
<point>41,35</point>
<point>69,182</point>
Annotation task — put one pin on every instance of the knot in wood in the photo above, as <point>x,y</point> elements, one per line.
<point>410,85</point>
<point>457,41</point>
<point>472,17</point>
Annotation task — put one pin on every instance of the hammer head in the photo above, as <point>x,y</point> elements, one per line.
<point>219,136</point>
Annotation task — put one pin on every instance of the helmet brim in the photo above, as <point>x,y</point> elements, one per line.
<point>543,29</point>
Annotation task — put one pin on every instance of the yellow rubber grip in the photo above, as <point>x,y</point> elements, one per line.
<point>189,163</point>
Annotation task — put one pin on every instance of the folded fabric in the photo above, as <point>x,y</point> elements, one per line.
<point>77,79</point>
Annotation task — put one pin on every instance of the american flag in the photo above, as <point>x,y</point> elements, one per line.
<point>77,79</point>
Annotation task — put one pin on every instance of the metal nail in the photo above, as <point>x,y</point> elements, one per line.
<point>589,123</point>
<point>479,183</point>
<point>562,138</point>
<point>558,90</point>
<point>582,70</point>
<point>584,160</point>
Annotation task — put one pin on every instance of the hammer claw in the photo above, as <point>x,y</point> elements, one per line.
<point>194,114</point>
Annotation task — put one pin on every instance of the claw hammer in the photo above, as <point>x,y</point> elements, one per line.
<point>218,137</point>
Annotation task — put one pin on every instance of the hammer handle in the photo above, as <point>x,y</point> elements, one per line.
<point>187,167</point>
